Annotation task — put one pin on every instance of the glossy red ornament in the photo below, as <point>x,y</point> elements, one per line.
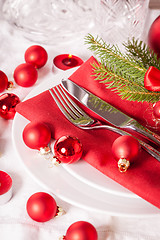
<point>25,75</point>
<point>68,149</point>
<point>3,81</point>
<point>152,79</point>
<point>36,135</point>
<point>81,230</point>
<point>156,110</point>
<point>8,102</point>
<point>125,149</point>
<point>154,36</point>
<point>41,207</point>
<point>36,55</point>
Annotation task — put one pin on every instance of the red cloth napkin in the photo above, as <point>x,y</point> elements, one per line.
<point>143,177</point>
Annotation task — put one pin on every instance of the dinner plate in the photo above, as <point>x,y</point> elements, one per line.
<point>89,188</point>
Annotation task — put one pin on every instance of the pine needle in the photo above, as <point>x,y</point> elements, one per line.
<point>124,73</point>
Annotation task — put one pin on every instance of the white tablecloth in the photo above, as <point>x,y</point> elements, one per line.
<point>14,220</point>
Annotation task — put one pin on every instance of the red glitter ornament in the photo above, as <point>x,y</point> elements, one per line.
<point>154,36</point>
<point>125,149</point>
<point>36,135</point>
<point>156,110</point>
<point>8,102</point>
<point>68,149</point>
<point>36,55</point>
<point>3,81</point>
<point>41,207</point>
<point>81,230</point>
<point>25,75</point>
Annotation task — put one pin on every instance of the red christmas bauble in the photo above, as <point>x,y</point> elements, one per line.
<point>41,207</point>
<point>3,81</point>
<point>68,149</point>
<point>156,110</point>
<point>154,36</point>
<point>36,55</point>
<point>8,102</point>
<point>81,230</point>
<point>36,135</point>
<point>125,149</point>
<point>25,75</point>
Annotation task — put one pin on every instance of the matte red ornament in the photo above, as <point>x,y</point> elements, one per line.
<point>125,149</point>
<point>41,207</point>
<point>8,102</point>
<point>68,149</point>
<point>36,55</point>
<point>152,79</point>
<point>36,135</point>
<point>3,81</point>
<point>25,75</point>
<point>81,230</point>
<point>67,61</point>
<point>5,187</point>
<point>154,36</point>
<point>156,110</point>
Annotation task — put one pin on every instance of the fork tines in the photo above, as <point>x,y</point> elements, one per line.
<point>65,103</point>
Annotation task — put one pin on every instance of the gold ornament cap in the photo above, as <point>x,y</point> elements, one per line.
<point>44,150</point>
<point>60,211</point>
<point>123,164</point>
<point>10,85</point>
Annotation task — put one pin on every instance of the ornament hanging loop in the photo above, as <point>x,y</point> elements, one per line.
<point>123,164</point>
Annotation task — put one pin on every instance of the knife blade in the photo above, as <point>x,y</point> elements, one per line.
<point>112,115</point>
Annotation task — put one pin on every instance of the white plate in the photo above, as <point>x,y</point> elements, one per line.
<point>102,194</point>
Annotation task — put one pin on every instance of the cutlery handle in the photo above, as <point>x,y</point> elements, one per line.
<point>144,132</point>
<point>151,150</point>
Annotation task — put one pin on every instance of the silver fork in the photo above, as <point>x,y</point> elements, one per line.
<point>82,120</point>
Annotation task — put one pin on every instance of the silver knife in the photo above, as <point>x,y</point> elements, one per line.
<point>114,116</point>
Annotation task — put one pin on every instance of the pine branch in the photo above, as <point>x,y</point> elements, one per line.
<point>141,53</point>
<point>108,53</point>
<point>120,72</point>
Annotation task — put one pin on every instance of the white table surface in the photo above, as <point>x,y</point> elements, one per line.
<point>14,221</point>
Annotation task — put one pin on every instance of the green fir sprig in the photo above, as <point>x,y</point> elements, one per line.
<point>124,72</point>
<point>139,52</point>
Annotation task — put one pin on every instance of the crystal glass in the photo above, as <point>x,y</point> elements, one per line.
<point>49,21</point>
<point>118,20</point>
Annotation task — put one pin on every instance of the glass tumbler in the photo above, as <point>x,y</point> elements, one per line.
<point>118,20</point>
<point>49,21</point>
